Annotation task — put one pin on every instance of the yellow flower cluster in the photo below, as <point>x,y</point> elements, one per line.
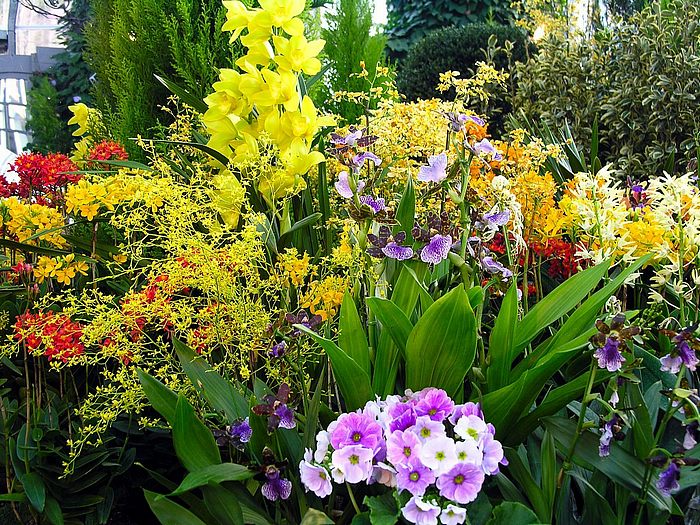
<point>262,96</point>
<point>24,220</point>
<point>479,87</point>
<point>294,268</point>
<point>325,296</point>
<point>87,198</point>
<point>63,269</point>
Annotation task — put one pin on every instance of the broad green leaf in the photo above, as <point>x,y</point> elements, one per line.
<point>442,345</point>
<point>218,391</point>
<point>53,512</point>
<point>161,398</point>
<point>406,212</point>
<point>352,334</point>
<point>557,303</point>
<point>311,422</point>
<point>512,513</point>
<point>222,505</point>
<point>352,380</point>
<point>213,474</point>
<point>35,490</point>
<point>193,441</point>
<point>521,474</point>
<point>168,512</point>
<point>550,471</point>
<point>405,297</point>
<point>642,429</point>
<point>392,319</point>
<point>620,466</point>
<point>500,355</point>
<point>19,497</point>
<point>383,510</point>
<point>315,517</point>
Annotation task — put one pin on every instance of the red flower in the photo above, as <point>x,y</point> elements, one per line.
<point>41,178</point>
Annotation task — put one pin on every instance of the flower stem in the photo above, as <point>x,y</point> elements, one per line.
<point>352,498</point>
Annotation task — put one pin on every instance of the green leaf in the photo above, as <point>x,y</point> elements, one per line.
<point>213,474</point>
<point>383,510</point>
<point>501,341</point>
<point>311,422</point>
<point>406,212</point>
<point>168,512</point>
<point>309,220</point>
<point>194,443</point>
<point>353,381</point>
<point>218,391</point>
<point>53,512</point>
<point>315,517</point>
<point>352,334</point>
<point>557,303</point>
<point>442,345</point>
<point>183,94</point>
<point>222,505</point>
<point>35,490</point>
<point>512,513</point>
<point>161,398</point>
<point>216,155</point>
<point>19,497</point>
<point>392,319</point>
<point>521,474</point>
<point>405,296</point>
<point>548,453</point>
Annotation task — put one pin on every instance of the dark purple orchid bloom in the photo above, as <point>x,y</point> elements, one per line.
<point>612,429</point>
<point>609,341</point>
<point>386,245</point>
<point>636,195</point>
<point>692,435</point>
<point>684,351</point>
<point>376,204</point>
<point>236,434</point>
<point>275,487</point>
<point>668,479</point>
<point>304,319</point>
<point>278,349</point>
<point>276,409</point>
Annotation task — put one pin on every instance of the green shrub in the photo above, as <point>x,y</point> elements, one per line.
<point>66,82</point>
<point>411,20</point>
<point>49,131</point>
<point>348,42</point>
<point>458,49</point>
<point>640,79</point>
<point>130,41</point>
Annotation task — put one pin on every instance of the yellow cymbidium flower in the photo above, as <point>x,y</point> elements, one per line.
<point>298,54</point>
<point>303,124</point>
<point>283,13</point>
<point>228,197</point>
<point>237,17</point>
<point>298,159</point>
<point>81,114</point>
<point>276,89</point>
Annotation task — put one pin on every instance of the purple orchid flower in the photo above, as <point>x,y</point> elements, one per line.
<point>359,160</point>
<point>351,139</point>
<point>494,267</point>
<point>278,349</point>
<point>276,409</point>
<point>376,204</point>
<point>668,479</point>
<point>692,435</point>
<point>342,185</point>
<point>486,149</point>
<point>437,249</point>
<point>386,245</point>
<point>436,170</point>
<point>275,487</point>
<point>612,429</point>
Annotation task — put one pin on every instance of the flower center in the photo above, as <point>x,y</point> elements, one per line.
<point>440,456</point>
<point>459,479</point>
<point>414,476</point>
<point>354,459</point>
<point>462,456</point>
<point>322,474</point>
<point>356,437</point>
<point>432,411</point>
<point>473,433</point>
<point>425,432</point>
<point>407,451</point>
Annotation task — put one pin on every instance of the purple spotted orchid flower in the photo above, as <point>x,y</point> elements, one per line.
<point>484,148</point>
<point>279,415</point>
<point>436,170</point>
<point>385,245</point>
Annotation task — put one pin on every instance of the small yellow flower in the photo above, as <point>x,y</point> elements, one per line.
<point>81,115</point>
